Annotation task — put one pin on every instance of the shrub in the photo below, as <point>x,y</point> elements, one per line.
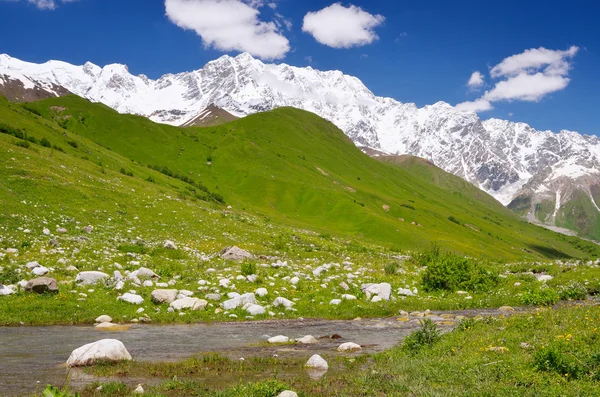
<point>45,143</point>
<point>74,144</point>
<point>391,268</point>
<point>573,291</point>
<point>451,272</point>
<point>23,144</point>
<point>10,276</point>
<point>427,335</point>
<point>151,179</point>
<point>540,297</point>
<point>453,219</point>
<point>32,110</point>
<point>248,268</point>
<point>573,365</point>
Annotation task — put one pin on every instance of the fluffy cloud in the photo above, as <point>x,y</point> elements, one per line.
<point>231,25</point>
<point>342,27</point>
<point>45,4</point>
<point>476,80</point>
<point>528,76</point>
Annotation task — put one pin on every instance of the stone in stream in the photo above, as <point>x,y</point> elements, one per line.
<point>188,303</point>
<point>307,340</point>
<point>279,339</point>
<point>348,347</point>
<point>90,278</point>
<point>164,295</point>
<point>234,253</point>
<point>103,350</point>
<point>317,362</point>
<point>42,285</point>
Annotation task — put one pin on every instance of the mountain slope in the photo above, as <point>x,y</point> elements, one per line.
<point>498,156</point>
<point>294,167</point>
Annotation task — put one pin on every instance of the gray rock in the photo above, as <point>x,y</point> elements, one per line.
<point>169,245</point>
<point>4,291</point>
<point>90,278</point>
<point>255,310</point>
<point>42,285</point>
<point>235,253</point>
<point>348,347</point>
<point>40,271</point>
<point>104,319</point>
<point>103,350</point>
<point>131,298</point>
<point>287,393</point>
<point>143,273</point>
<point>164,295</point>
<point>188,303</point>
<point>213,297</point>
<point>317,361</point>
<point>283,302</point>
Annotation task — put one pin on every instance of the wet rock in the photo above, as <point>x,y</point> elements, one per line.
<point>90,278</point>
<point>131,298</point>
<point>163,295</point>
<point>317,362</point>
<point>307,340</point>
<point>506,309</point>
<point>188,303</point>
<point>348,347</point>
<point>279,339</point>
<point>42,285</point>
<point>103,350</point>
<point>235,253</point>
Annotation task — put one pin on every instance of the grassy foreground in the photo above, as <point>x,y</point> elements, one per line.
<point>549,352</point>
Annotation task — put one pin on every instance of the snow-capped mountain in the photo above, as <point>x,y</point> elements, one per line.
<point>508,160</point>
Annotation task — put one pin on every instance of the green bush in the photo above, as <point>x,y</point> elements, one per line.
<point>10,276</point>
<point>391,268</point>
<point>573,291</point>
<point>23,144</point>
<point>453,219</point>
<point>248,268</point>
<point>540,297</point>
<point>45,143</point>
<point>451,272</point>
<point>73,144</point>
<point>427,335</point>
<point>570,364</point>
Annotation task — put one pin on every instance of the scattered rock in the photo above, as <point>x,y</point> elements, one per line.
<point>255,310</point>
<point>287,393</point>
<point>88,229</point>
<point>317,362</point>
<point>104,319</point>
<point>103,350</point>
<point>348,347</point>
<point>405,292</point>
<point>40,271</point>
<point>4,291</point>
<point>169,245</point>
<point>283,302</point>
<point>143,273</point>
<point>188,303</point>
<point>131,298</point>
<point>506,309</point>
<point>164,295</point>
<point>261,292</point>
<point>543,277</point>
<point>235,254</point>
<point>90,278</point>
<point>335,301</point>
<point>138,390</point>
<point>42,285</point>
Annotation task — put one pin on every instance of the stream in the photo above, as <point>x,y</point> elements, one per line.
<point>32,357</point>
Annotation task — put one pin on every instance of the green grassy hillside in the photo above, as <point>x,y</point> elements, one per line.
<point>288,166</point>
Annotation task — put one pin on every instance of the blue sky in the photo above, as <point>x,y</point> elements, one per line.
<point>425,51</point>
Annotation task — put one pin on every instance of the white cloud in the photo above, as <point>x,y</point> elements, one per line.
<point>528,76</point>
<point>231,25</point>
<point>308,59</point>
<point>342,27</point>
<point>476,80</point>
<point>480,105</point>
<point>556,62</point>
<point>45,4</point>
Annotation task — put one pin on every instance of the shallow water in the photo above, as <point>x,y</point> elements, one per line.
<point>32,357</point>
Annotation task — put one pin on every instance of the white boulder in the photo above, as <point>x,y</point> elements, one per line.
<point>103,350</point>
<point>317,362</point>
